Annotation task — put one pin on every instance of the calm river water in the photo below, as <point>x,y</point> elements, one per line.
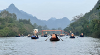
<point>28,46</point>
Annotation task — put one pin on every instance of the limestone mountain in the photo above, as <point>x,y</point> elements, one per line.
<point>51,23</point>
<point>23,15</point>
<point>57,23</point>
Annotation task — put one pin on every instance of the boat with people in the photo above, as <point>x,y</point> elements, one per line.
<point>34,36</point>
<point>45,35</point>
<point>54,37</point>
<point>72,36</point>
<point>81,35</point>
<point>18,35</point>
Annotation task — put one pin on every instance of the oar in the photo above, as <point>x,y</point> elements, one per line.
<point>60,38</point>
<point>47,38</point>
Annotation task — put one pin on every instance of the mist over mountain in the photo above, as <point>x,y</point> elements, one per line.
<point>51,23</point>
<point>57,23</point>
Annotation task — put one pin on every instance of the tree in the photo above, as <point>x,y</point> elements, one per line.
<point>35,26</point>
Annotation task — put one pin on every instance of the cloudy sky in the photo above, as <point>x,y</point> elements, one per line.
<point>45,9</point>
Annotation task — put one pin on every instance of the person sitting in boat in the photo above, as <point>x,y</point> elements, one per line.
<point>29,35</point>
<point>72,36</point>
<point>45,34</point>
<point>35,33</point>
<point>19,34</point>
<point>22,35</point>
<point>54,36</point>
<point>81,35</point>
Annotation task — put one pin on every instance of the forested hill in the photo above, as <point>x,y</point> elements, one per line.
<point>89,24</point>
<point>11,26</point>
<point>94,13</point>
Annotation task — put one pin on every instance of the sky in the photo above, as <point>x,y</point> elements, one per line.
<point>45,9</point>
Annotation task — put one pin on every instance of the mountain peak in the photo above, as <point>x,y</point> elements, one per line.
<point>12,9</point>
<point>53,18</point>
<point>12,6</point>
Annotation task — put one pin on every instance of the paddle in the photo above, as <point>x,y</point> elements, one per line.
<point>60,38</point>
<point>47,38</point>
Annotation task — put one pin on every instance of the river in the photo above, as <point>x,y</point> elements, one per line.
<point>28,46</point>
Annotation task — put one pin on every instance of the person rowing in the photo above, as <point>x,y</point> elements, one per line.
<point>54,37</point>
<point>82,35</point>
<point>72,36</point>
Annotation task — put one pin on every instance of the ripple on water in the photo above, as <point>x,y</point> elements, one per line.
<point>28,46</point>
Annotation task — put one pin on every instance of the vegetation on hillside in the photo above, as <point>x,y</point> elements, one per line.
<point>89,24</point>
<point>10,26</point>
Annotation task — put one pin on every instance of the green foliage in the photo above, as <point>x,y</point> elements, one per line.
<point>9,25</point>
<point>83,25</point>
<point>89,24</point>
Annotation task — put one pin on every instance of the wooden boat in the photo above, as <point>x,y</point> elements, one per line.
<point>81,35</point>
<point>72,37</point>
<point>54,39</point>
<point>17,36</point>
<point>34,37</point>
